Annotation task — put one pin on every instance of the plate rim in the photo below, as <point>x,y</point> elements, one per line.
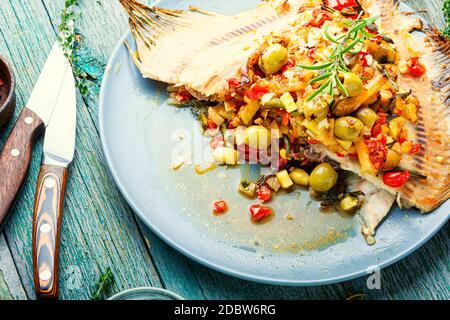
<point>204,260</point>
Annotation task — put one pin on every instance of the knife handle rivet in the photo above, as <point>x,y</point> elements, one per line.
<point>15,153</point>
<point>45,275</point>
<point>45,228</point>
<point>29,120</point>
<point>50,183</point>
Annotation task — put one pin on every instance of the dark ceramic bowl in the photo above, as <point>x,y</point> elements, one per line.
<point>7,92</point>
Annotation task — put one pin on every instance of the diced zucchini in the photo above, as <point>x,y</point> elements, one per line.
<point>273,183</point>
<point>225,155</point>
<point>288,102</point>
<point>248,112</point>
<point>247,188</point>
<point>284,179</point>
<point>215,116</point>
<point>346,145</point>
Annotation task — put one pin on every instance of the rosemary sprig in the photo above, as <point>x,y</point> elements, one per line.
<point>351,42</point>
<point>106,280</point>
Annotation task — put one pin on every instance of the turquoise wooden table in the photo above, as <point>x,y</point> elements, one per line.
<point>99,229</point>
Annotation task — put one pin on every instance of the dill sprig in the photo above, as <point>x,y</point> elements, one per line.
<point>68,39</point>
<point>351,42</point>
<point>106,280</point>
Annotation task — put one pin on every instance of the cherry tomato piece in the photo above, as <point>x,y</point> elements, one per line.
<point>416,69</point>
<point>396,179</point>
<point>416,147</point>
<point>233,83</point>
<point>220,207</point>
<point>320,17</point>
<point>211,124</point>
<point>264,193</point>
<point>256,92</point>
<point>259,212</point>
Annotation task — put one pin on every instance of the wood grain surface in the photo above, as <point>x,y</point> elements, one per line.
<point>99,229</point>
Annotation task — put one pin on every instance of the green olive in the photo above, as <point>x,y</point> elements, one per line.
<point>316,110</point>
<point>273,58</point>
<point>349,204</point>
<point>367,116</point>
<point>353,84</point>
<point>300,177</point>
<point>385,54</point>
<point>348,128</point>
<point>323,178</point>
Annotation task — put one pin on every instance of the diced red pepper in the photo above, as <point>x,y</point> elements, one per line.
<point>286,118</point>
<point>264,193</point>
<point>211,124</point>
<point>363,58</point>
<point>312,53</point>
<point>259,212</point>
<point>290,64</point>
<point>313,141</point>
<point>416,147</point>
<point>416,68</point>
<point>377,127</point>
<point>183,95</point>
<point>377,152</point>
<point>396,179</point>
<point>320,17</point>
<point>256,92</point>
<point>233,83</point>
<point>343,4</point>
<point>220,207</point>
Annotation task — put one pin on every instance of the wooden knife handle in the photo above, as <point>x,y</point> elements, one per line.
<point>15,160</point>
<point>48,207</point>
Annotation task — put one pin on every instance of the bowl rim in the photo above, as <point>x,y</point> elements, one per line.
<point>12,86</point>
<point>143,290</point>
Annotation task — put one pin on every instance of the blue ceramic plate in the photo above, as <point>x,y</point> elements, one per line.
<point>140,133</point>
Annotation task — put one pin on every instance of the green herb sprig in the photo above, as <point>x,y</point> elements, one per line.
<point>351,42</point>
<point>87,71</point>
<point>68,38</point>
<point>446,10</point>
<point>105,281</point>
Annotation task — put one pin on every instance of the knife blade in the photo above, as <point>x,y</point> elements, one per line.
<point>59,148</point>
<point>15,157</point>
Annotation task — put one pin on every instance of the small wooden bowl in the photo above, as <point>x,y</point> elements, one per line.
<point>7,92</point>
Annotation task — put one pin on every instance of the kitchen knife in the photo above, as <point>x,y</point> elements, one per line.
<point>59,147</point>
<point>16,155</point>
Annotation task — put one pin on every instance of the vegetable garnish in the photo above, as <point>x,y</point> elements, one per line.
<point>264,193</point>
<point>416,68</point>
<point>396,179</point>
<point>259,212</point>
<point>446,10</point>
<point>256,92</point>
<point>105,281</point>
<point>220,207</point>
<point>351,42</point>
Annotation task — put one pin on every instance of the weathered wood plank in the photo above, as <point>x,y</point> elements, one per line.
<point>10,284</point>
<point>99,230</point>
